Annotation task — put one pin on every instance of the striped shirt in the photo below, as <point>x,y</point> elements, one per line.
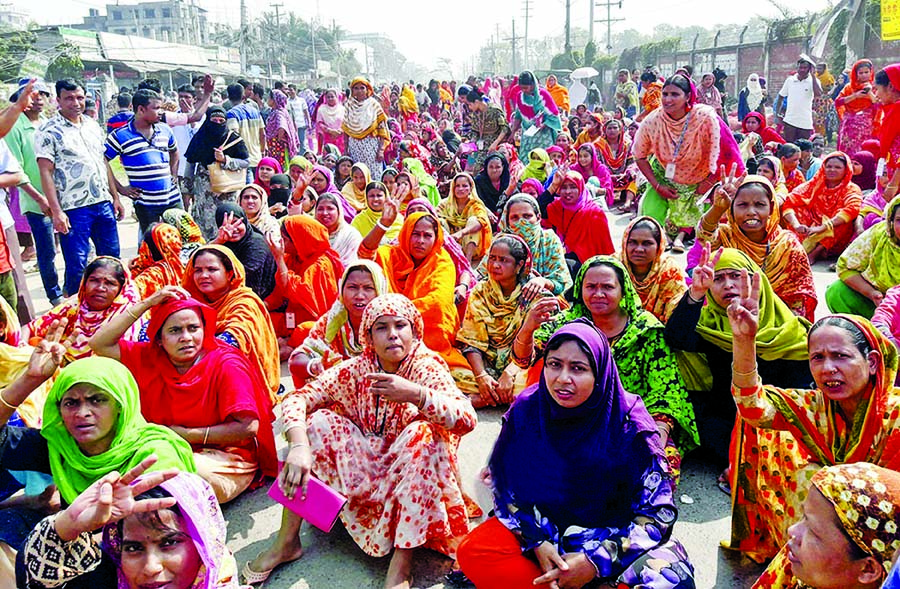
<point>146,162</point>
<point>246,121</point>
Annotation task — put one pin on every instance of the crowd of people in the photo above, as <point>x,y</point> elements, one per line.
<point>412,253</point>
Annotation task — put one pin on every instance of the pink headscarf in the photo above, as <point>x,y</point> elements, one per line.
<point>598,170</point>
<point>280,119</point>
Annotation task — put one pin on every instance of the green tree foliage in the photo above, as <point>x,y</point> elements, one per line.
<point>66,64</point>
<point>14,46</point>
<point>590,53</point>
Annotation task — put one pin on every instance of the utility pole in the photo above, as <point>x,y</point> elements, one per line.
<point>513,40</point>
<point>568,46</point>
<point>591,21</point>
<point>525,38</point>
<point>277,8</point>
<point>609,20</point>
<point>243,36</point>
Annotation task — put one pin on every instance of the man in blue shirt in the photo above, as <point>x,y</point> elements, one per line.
<point>149,155</point>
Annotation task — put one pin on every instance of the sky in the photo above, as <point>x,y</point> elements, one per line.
<point>461,26</point>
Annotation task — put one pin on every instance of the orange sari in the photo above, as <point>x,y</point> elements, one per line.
<point>167,270</point>
<point>243,316</point>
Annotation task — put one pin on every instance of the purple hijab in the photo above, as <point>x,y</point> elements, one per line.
<point>598,170</point>
<point>866,179</point>
<point>349,211</point>
<point>579,466</point>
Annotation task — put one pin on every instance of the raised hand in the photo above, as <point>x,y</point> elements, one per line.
<point>743,311</point>
<point>704,273</point>
<point>49,353</point>
<point>728,186</point>
<point>276,245</point>
<point>112,498</point>
<point>540,312</point>
<point>391,208</point>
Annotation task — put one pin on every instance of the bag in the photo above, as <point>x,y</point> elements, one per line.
<point>223,181</point>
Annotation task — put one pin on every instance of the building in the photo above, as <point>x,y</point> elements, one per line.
<point>171,21</point>
<point>12,17</point>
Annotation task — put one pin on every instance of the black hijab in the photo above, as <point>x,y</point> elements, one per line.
<point>253,252</point>
<point>211,135</point>
<point>490,195</point>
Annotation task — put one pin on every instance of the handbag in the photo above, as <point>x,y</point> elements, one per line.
<point>221,180</point>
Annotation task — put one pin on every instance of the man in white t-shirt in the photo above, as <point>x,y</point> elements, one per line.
<point>798,90</point>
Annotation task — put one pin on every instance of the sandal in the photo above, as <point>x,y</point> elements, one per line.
<point>458,579</point>
<point>251,577</point>
<point>723,484</point>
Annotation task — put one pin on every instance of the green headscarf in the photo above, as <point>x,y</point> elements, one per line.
<point>640,347</point>
<point>538,167</point>
<point>135,439</point>
<point>299,160</point>
<point>426,181</point>
<point>781,334</point>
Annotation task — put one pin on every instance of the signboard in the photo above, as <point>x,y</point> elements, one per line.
<point>890,20</point>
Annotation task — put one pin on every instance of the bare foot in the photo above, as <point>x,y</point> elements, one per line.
<point>277,555</point>
<point>399,574</point>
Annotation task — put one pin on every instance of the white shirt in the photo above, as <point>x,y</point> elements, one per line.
<point>799,94</point>
<point>299,109</point>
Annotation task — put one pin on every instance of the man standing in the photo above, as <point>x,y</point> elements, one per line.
<point>183,135</point>
<point>799,91</point>
<point>31,200</point>
<point>150,157</point>
<point>300,113</point>
<point>245,120</point>
<point>120,119</point>
<point>74,178</point>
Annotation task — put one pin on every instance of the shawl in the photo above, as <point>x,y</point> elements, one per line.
<point>345,239</point>
<point>336,322</point>
<point>559,93</point>
<point>314,269</point>
<point>364,118</point>
<point>781,334</point>
<point>191,236</point>
<point>492,319</point>
<point>853,86</point>
<point>651,97</point>
<point>890,122</point>
<point>458,218</point>
<point>597,170</point>
<point>782,257</point>
<point>582,227</point>
<point>615,161</point>
<point>699,154</point>
<point>263,219</point>
<point>426,181</point>
<point>539,165</point>
<point>875,254</point>
<point>331,117</point>
<point>353,195</point>
<point>781,190</point>
<point>272,163</point>
<point>766,133</point>
<point>537,107</point>
<point>489,194</point>
<point>670,398</point>
<point>204,524</point>
<point>547,252</point>
<point>163,246</point>
<point>366,219</point>
<point>866,179</point>
<point>407,102</point>
<point>349,211</point>
<point>429,284</point>
<point>243,315</point>
<point>222,382</point>
<point>212,135</point>
<point>134,440</point>
<point>280,120</point>
<point>629,90</point>
<point>460,261</point>
<point>664,284</point>
<point>81,323</point>
<point>582,482</point>
<point>252,251</point>
<point>819,201</point>
<point>754,91</point>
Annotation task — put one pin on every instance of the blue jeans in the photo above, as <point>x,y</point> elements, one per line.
<point>97,223</point>
<point>45,246</point>
<point>301,135</point>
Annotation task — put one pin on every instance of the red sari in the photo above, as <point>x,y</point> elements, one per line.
<point>582,227</point>
<point>221,384</point>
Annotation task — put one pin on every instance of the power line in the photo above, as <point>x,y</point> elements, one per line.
<point>525,39</point>
<point>609,20</point>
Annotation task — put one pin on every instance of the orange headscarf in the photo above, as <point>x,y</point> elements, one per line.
<point>243,315</point>
<point>166,271</point>
<point>429,284</point>
<point>854,85</point>
<point>559,93</point>
<point>315,267</point>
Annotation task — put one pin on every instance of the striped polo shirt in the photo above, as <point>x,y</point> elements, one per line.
<point>146,162</point>
<point>246,121</point>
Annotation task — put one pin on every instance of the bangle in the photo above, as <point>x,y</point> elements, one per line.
<point>135,317</point>
<point>751,373</point>
<point>692,299</point>
<point>206,436</point>
<point>480,376</point>
<point>421,402</point>
<point>293,445</point>
<point>382,227</point>
<point>5,402</point>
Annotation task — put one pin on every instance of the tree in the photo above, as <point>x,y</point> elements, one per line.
<point>66,64</point>
<point>14,46</point>
<point>590,53</point>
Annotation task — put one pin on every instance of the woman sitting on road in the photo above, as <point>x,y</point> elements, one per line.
<point>382,429</point>
<point>203,389</point>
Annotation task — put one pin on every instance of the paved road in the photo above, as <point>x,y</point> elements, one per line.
<point>333,560</point>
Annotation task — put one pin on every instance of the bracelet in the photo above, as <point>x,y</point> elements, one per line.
<point>693,300</point>
<point>421,402</point>
<point>135,317</point>
<point>293,445</point>
<point>751,373</point>
<point>5,402</point>
<point>480,376</point>
<point>206,436</point>
<point>382,227</point>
